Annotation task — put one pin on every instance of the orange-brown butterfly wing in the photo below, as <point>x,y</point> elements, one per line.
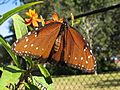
<point>77,54</point>
<point>38,43</point>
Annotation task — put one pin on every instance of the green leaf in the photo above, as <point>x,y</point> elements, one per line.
<point>43,70</point>
<point>45,73</point>
<point>19,25</point>
<point>29,86</point>
<point>40,83</point>
<point>8,48</point>
<point>10,74</point>
<point>17,9</point>
<point>3,88</point>
<point>29,60</point>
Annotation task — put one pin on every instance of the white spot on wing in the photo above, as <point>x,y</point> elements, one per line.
<point>86,62</point>
<point>91,51</point>
<point>95,62</point>
<point>82,65</point>
<point>42,49</point>
<point>75,66</point>
<point>25,46</point>
<point>31,45</point>
<point>89,56</point>
<point>14,44</point>
<point>87,44</point>
<point>25,54</point>
<point>81,58</point>
<point>16,41</point>
<point>85,49</point>
<point>65,61</point>
<point>37,48</point>
<point>75,58</point>
<point>29,33</point>
<point>27,39</point>
<point>14,49</point>
<point>35,35</point>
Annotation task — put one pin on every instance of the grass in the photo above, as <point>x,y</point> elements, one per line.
<point>109,81</point>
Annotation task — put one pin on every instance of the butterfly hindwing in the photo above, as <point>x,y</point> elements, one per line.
<point>77,53</point>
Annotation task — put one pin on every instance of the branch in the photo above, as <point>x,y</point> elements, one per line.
<point>23,77</point>
<point>9,36</point>
<point>96,11</point>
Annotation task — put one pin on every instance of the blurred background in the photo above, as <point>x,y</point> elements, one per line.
<point>102,31</point>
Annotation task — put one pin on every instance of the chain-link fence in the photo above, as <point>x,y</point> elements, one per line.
<point>105,81</point>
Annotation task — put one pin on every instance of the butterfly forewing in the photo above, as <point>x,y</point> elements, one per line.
<point>38,43</point>
<point>77,54</point>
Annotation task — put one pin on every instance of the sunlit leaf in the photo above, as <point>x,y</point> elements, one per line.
<point>10,74</point>
<point>43,70</point>
<point>8,48</point>
<point>29,86</point>
<point>29,60</point>
<point>41,83</point>
<point>45,73</point>
<point>19,26</point>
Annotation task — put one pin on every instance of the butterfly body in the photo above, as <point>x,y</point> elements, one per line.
<point>59,41</point>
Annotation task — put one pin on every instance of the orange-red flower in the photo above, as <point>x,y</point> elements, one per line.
<point>33,18</point>
<point>55,19</point>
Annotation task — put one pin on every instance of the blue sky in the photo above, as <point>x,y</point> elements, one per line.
<point>4,28</point>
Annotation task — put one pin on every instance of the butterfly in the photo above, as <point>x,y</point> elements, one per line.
<point>57,41</point>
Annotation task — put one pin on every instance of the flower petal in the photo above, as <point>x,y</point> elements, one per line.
<point>55,16</point>
<point>35,23</point>
<point>61,20</point>
<point>49,21</point>
<point>27,20</point>
<point>33,18</point>
<point>39,20</point>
